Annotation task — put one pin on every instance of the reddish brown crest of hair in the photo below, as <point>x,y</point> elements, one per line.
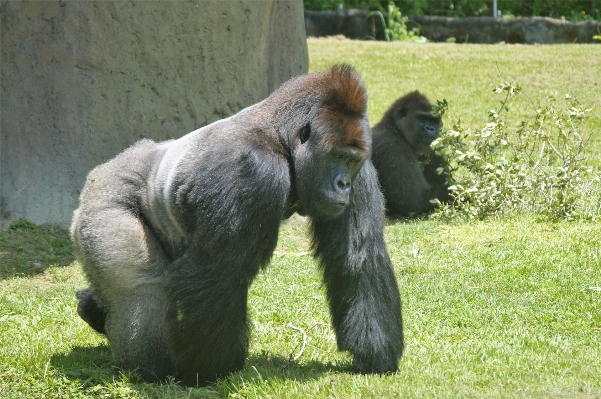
<point>345,130</point>
<point>356,136</point>
<point>345,100</point>
<point>344,91</point>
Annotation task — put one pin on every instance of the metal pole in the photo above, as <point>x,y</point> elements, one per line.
<point>494,8</point>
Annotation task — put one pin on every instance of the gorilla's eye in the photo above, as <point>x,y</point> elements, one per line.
<point>305,133</point>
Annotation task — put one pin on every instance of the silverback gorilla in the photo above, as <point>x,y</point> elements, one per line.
<point>171,234</point>
<point>399,140</point>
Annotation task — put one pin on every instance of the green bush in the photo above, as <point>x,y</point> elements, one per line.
<point>572,10</point>
<point>22,225</point>
<point>537,166</point>
<point>395,26</point>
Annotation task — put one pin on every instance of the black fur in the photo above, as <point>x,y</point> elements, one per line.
<point>401,144</point>
<point>360,283</point>
<point>172,234</point>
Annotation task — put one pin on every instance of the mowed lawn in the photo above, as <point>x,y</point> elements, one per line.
<point>500,308</point>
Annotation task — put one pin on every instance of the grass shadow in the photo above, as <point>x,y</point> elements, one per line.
<point>28,250</point>
<point>268,369</point>
<point>269,366</point>
<point>90,365</point>
<point>94,366</point>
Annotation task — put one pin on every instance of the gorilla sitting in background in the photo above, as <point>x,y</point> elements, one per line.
<point>401,140</point>
<point>172,234</point>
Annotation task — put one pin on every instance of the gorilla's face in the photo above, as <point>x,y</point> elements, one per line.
<point>419,125</point>
<point>325,168</point>
<point>338,170</point>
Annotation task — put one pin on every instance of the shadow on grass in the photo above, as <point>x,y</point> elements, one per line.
<point>266,369</point>
<point>267,366</point>
<point>90,365</point>
<point>28,250</point>
<point>93,366</point>
<point>393,220</point>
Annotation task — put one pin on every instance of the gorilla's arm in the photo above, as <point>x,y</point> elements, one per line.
<point>361,287</point>
<point>439,182</point>
<point>235,196</point>
<point>400,175</point>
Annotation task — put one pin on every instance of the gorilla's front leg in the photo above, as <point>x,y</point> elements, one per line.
<point>360,283</point>
<point>366,315</point>
<point>209,337</point>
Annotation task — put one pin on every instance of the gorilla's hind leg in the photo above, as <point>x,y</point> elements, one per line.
<point>124,263</point>
<point>89,310</point>
<point>136,329</point>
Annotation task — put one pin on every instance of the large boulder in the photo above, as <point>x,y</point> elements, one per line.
<point>81,81</point>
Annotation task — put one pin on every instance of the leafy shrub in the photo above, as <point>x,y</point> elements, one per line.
<point>395,26</point>
<point>572,10</point>
<point>537,166</point>
<point>22,225</point>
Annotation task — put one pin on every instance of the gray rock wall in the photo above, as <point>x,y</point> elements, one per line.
<point>82,80</point>
<point>534,30</point>
<point>356,24</point>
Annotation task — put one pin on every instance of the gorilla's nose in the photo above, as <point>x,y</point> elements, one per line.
<point>342,183</point>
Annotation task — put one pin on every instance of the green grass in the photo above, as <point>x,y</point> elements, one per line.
<point>501,308</point>
<point>27,249</point>
<point>466,74</point>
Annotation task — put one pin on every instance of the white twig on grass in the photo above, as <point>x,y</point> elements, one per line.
<point>300,353</point>
<point>292,326</point>
<point>304,345</point>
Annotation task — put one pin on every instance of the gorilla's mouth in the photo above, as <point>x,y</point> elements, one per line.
<point>428,139</point>
<point>335,207</point>
<point>331,207</point>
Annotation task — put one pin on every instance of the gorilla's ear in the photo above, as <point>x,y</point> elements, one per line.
<point>305,133</point>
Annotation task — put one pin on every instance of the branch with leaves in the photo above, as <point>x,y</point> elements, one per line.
<point>537,166</point>
<point>395,26</point>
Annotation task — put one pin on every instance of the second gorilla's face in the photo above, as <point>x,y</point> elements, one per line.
<point>419,126</point>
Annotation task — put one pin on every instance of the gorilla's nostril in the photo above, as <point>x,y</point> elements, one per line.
<point>343,182</point>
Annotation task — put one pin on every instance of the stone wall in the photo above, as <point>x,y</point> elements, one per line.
<point>356,24</point>
<point>540,30</point>
<point>82,80</point>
